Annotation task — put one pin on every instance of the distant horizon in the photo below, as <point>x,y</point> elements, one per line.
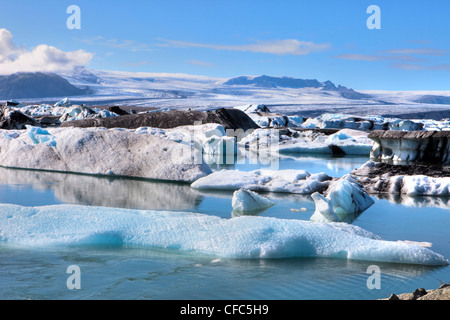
<point>187,76</point>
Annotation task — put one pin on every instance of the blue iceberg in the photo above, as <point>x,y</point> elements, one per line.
<point>244,237</point>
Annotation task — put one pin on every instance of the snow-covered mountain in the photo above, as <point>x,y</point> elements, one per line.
<point>309,97</point>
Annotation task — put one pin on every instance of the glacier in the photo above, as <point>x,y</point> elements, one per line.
<point>245,237</point>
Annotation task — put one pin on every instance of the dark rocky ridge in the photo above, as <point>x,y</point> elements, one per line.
<point>392,134</point>
<point>14,120</point>
<point>441,293</point>
<point>229,118</point>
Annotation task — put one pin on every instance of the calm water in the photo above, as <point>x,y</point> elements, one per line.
<point>112,272</point>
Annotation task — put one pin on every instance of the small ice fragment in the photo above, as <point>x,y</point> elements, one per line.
<point>246,200</point>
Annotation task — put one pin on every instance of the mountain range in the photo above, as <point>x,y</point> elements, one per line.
<point>182,91</point>
<point>37,85</point>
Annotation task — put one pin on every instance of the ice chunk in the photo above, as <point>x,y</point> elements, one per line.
<point>338,136</point>
<point>324,210</point>
<point>253,108</point>
<point>289,181</point>
<point>244,237</point>
<point>63,103</point>
<point>295,121</point>
<point>245,200</point>
<point>420,185</point>
<point>344,201</point>
<point>348,197</point>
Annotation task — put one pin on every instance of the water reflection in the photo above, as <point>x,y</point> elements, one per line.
<point>416,201</point>
<point>104,191</point>
<point>331,165</point>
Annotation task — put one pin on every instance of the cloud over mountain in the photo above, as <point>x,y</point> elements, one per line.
<point>42,58</point>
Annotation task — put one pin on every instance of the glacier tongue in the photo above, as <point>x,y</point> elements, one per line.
<point>237,238</point>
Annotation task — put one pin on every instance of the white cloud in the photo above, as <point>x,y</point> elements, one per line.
<point>201,63</point>
<point>43,58</point>
<point>129,45</point>
<point>419,51</point>
<point>278,47</point>
<point>406,66</point>
<point>376,57</point>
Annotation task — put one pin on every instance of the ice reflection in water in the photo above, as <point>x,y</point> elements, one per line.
<point>417,201</point>
<point>102,191</point>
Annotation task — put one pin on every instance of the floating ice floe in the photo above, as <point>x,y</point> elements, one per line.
<point>248,201</point>
<point>346,141</point>
<point>289,181</point>
<point>345,199</point>
<point>105,152</point>
<point>245,237</point>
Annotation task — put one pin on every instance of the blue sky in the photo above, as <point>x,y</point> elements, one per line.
<point>324,40</point>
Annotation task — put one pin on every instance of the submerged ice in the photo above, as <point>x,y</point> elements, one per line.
<point>245,237</point>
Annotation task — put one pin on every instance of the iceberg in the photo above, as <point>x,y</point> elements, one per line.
<point>100,151</point>
<point>244,237</point>
<point>324,210</point>
<point>248,201</point>
<point>345,141</point>
<point>345,199</point>
<point>415,146</point>
<point>264,180</point>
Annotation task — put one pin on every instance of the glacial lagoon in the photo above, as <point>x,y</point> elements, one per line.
<point>111,270</point>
